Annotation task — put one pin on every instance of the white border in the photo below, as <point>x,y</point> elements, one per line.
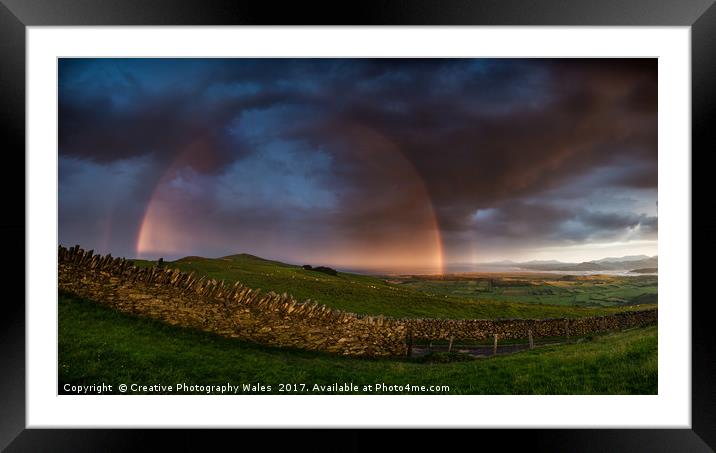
<point>670,408</point>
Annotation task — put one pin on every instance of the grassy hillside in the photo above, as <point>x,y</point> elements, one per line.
<point>371,295</point>
<point>97,344</point>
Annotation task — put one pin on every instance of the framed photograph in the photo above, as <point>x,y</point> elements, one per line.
<point>419,216</point>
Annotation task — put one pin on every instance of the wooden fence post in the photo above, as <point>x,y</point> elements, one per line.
<point>529,335</point>
<point>494,346</point>
<point>450,344</point>
<point>410,342</point>
<point>566,329</point>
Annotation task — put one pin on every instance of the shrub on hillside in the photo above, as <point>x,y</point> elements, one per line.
<point>324,269</point>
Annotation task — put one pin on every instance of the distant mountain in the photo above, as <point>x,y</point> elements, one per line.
<point>624,263</point>
<point>510,263</point>
<point>501,263</point>
<point>648,270</point>
<point>605,264</point>
<point>585,266</point>
<point>622,259</point>
<point>648,262</point>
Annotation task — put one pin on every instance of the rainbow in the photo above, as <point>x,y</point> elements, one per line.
<point>160,232</point>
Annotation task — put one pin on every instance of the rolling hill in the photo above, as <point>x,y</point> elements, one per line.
<point>365,294</point>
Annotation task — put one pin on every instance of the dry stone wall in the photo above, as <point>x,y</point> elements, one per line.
<point>237,311</point>
<point>484,329</point>
<point>230,310</point>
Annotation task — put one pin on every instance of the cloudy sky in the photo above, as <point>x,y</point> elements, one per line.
<point>359,163</point>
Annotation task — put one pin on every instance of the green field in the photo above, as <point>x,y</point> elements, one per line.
<point>421,297</point>
<point>574,291</point>
<point>97,344</point>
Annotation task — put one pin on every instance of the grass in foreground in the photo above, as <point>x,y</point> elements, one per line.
<point>365,294</point>
<point>97,344</point>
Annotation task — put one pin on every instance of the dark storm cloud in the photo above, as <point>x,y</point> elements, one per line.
<point>519,137</point>
<point>473,155</point>
<point>514,220</point>
<point>111,123</point>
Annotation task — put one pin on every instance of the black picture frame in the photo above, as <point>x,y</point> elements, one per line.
<point>16,15</point>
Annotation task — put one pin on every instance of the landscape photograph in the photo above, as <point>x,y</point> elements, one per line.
<point>357,226</point>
